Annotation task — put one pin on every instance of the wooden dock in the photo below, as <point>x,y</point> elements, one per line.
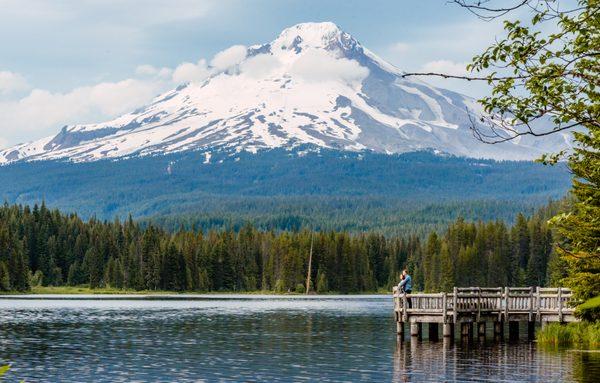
<point>469,306</point>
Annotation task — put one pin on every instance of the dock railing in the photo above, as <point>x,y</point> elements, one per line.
<point>475,304</point>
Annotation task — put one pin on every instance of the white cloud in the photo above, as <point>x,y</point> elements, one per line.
<point>446,67</point>
<point>190,72</point>
<point>151,71</point>
<point>113,98</point>
<point>197,72</point>
<point>260,65</point>
<point>11,82</point>
<point>41,112</point>
<point>229,57</point>
<point>320,66</point>
<point>4,143</point>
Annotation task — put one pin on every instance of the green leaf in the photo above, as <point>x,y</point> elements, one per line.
<point>4,370</point>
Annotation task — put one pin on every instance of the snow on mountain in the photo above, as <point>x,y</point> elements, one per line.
<point>314,84</point>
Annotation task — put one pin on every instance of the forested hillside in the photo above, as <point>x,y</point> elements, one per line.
<point>42,246</point>
<point>286,190</point>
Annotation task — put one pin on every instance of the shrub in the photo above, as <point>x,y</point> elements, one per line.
<point>300,288</point>
<point>589,310</point>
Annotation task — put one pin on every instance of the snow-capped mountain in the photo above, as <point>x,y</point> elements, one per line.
<point>314,84</point>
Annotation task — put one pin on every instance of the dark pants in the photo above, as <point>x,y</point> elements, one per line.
<point>409,300</point>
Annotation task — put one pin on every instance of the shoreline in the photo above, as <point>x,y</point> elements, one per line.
<point>186,297</point>
<point>85,293</point>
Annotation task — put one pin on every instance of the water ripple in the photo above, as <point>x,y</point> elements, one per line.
<point>258,340</point>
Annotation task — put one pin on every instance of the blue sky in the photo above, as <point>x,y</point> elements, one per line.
<point>82,61</point>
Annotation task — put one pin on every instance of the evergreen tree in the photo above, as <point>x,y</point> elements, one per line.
<point>447,265</point>
<point>431,263</point>
<point>95,267</point>
<point>580,228</point>
<point>322,284</point>
<point>4,278</point>
<point>75,275</point>
<point>521,242</point>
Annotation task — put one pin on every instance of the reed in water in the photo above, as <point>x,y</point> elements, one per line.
<point>580,334</point>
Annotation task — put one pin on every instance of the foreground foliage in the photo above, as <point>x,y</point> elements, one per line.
<point>590,310</point>
<point>580,227</point>
<point>41,247</point>
<point>548,70</point>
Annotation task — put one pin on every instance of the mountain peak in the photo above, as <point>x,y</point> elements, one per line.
<point>321,35</point>
<point>325,28</point>
<point>313,85</point>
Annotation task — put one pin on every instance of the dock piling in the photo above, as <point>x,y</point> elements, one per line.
<point>498,330</point>
<point>448,330</point>
<point>400,329</point>
<point>481,327</point>
<point>415,330</point>
<point>466,329</point>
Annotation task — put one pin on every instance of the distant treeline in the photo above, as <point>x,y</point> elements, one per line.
<point>39,246</point>
<point>358,214</point>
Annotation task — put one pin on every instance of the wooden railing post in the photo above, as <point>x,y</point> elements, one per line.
<point>444,307</point>
<point>404,307</point>
<point>560,305</point>
<point>506,303</point>
<point>538,304</point>
<point>531,304</point>
<point>454,306</point>
<point>478,304</point>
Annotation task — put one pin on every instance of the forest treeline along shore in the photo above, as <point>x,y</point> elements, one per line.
<point>39,246</point>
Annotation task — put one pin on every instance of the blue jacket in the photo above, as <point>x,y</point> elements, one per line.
<point>406,283</point>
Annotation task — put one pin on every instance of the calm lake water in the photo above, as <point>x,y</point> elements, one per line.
<point>344,339</point>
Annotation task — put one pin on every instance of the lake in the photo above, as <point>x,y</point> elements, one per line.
<point>254,338</point>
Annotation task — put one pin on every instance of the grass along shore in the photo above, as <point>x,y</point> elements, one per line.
<point>86,290</point>
<point>579,334</point>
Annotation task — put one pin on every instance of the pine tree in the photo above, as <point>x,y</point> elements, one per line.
<point>174,275</point>
<point>322,284</point>
<point>431,263</point>
<point>448,272</point>
<point>521,240</point>
<point>536,266</point>
<point>4,277</point>
<point>18,270</point>
<point>95,267</point>
<point>75,274</point>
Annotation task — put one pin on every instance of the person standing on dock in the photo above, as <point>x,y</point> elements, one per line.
<point>405,285</point>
